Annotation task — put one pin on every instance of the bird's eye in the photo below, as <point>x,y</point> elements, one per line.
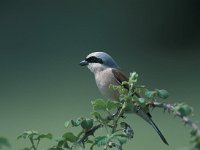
<point>94,59</point>
<point>91,59</point>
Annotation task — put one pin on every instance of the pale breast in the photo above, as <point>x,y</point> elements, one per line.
<point>103,80</point>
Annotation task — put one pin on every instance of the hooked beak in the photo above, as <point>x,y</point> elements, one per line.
<point>83,63</point>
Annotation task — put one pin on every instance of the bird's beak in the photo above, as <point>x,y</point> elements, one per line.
<point>83,63</point>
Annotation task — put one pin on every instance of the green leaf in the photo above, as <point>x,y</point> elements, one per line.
<point>150,94</point>
<point>45,136</point>
<point>77,122</point>
<point>119,88</point>
<point>4,142</point>
<point>132,80</point>
<point>66,146</point>
<point>101,140</point>
<point>69,136</point>
<point>28,134</point>
<point>163,94</point>
<point>183,109</point>
<point>60,143</point>
<point>141,101</point>
<point>96,114</point>
<point>89,141</point>
<point>124,124</point>
<point>140,89</point>
<point>133,77</point>
<point>122,139</point>
<point>110,105</point>
<point>87,124</point>
<point>99,104</point>
<point>67,123</point>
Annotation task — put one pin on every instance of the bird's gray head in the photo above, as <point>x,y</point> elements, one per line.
<point>99,61</point>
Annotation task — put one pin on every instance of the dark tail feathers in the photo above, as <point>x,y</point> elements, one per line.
<point>158,131</point>
<point>147,117</point>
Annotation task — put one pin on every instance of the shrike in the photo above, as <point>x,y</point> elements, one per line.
<point>107,72</point>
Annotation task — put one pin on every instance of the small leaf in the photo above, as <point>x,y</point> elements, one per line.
<point>4,142</point>
<point>45,136</point>
<point>87,124</point>
<point>89,141</point>
<point>124,124</point>
<point>96,115</point>
<point>101,140</point>
<point>67,123</point>
<point>60,143</point>
<point>150,94</point>
<point>31,132</point>
<point>141,101</point>
<point>77,122</point>
<point>69,136</point>
<point>110,105</point>
<point>99,104</point>
<point>133,77</point>
<point>140,89</point>
<point>163,94</point>
<point>28,134</point>
<point>121,138</point>
<point>132,80</point>
<point>66,146</point>
<point>183,109</point>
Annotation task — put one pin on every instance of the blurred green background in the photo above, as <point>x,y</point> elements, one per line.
<point>43,41</point>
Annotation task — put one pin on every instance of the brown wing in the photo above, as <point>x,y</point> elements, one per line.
<point>120,77</point>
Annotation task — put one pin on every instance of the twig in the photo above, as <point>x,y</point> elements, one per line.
<point>93,129</point>
<point>32,143</point>
<point>88,133</point>
<point>171,108</point>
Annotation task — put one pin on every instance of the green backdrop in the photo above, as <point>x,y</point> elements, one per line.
<point>43,41</point>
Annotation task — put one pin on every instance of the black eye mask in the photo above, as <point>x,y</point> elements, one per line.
<point>94,59</point>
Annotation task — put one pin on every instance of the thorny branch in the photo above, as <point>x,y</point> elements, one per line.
<point>171,108</point>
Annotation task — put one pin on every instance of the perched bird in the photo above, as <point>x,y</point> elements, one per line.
<point>107,72</point>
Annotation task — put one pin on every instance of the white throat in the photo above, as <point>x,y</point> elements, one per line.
<point>96,67</point>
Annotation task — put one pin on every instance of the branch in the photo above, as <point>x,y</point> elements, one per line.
<point>185,119</point>
<point>88,133</point>
<point>32,143</point>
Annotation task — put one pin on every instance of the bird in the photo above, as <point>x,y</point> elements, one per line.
<point>107,72</point>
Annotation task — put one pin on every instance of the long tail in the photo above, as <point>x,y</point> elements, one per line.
<point>147,117</point>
